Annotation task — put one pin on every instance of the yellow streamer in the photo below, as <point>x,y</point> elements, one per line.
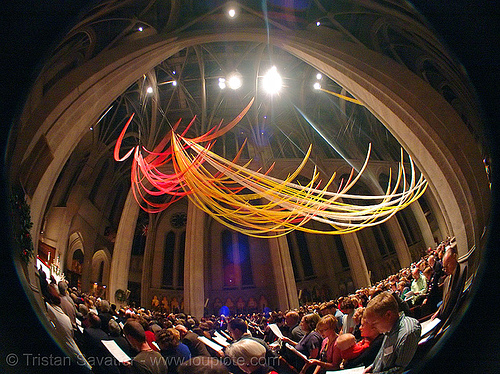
<point>289,206</point>
<point>347,98</point>
<point>254,203</point>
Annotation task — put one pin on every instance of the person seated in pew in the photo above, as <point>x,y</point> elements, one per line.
<point>238,330</point>
<point>250,357</point>
<point>291,328</point>
<point>401,334</point>
<point>453,283</point>
<point>147,360</point>
<point>362,353</point>
<point>435,293</point>
<point>348,307</point>
<point>329,355</point>
<point>418,288</point>
<point>310,344</point>
<point>173,351</point>
<point>190,339</point>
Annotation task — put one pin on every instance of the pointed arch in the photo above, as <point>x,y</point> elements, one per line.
<point>101,263</point>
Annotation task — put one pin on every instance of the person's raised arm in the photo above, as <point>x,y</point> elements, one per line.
<point>323,365</point>
<point>289,341</point>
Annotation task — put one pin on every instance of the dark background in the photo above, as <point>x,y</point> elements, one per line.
<point>30,29</point>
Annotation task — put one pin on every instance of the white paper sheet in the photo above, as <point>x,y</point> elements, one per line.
<point>226,335</point>
<point>427,326</point>
<point>221,341</point>
<point>422,341</point>
<point>275,344</point>
<point>300,354</point>
<point>276,330</point>
<point>116,351</point>
<point>218,334</point>
<point>210,343</point>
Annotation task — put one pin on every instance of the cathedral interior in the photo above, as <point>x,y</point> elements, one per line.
<point>359,80</point>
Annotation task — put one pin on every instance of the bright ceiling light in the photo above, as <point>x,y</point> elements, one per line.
<point>231,12</point>
<point>317,86</point>
<point>272,81</point>
<point>234,81</point>
<point>222,83</point>
<point>149,90</point>
<point>319,76</point>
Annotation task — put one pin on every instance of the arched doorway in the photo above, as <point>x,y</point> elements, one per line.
<point>75,261</point>
<point>101,262</point>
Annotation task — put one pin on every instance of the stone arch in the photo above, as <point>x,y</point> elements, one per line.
<point>74,259</point>
<point>75,243</point>
<point>102,256</point>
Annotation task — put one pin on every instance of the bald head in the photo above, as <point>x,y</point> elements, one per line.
<point>450,260</point>
<point>415,273</point>
<point>182,330</point>
<point>431,260</point>
<point>292,318</point>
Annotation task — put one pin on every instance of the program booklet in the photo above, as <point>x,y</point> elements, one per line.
<point>116,351</point>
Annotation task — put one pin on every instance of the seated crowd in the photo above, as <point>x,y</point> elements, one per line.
<point>376,328</point>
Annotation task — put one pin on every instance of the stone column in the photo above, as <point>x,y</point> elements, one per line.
<point>359,271</point>
<point>283,273</point>
<point>120,263</point>
<point>194,291</point>
<point>399,242</point>
<point>147,262</point>
<point>87,264</point>
<point>423,224</point>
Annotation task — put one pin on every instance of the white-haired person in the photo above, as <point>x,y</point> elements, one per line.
<point>202,365</point>
<point>250,356</point>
